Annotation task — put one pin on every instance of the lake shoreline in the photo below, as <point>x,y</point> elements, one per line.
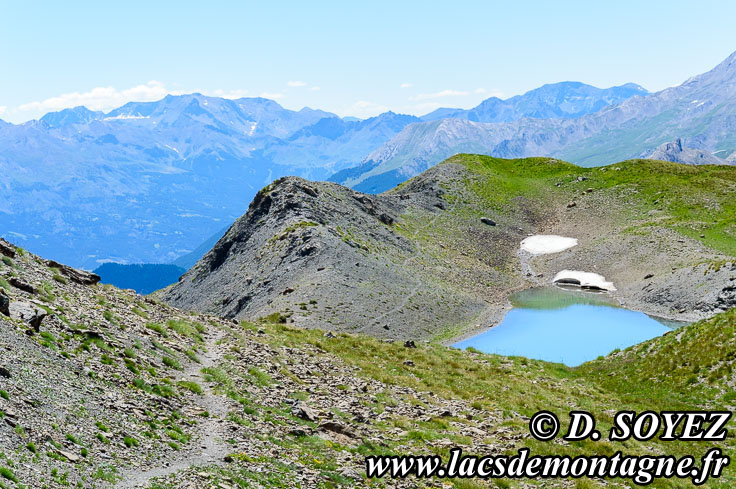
<point>499,312</point>
<point>557,324</point>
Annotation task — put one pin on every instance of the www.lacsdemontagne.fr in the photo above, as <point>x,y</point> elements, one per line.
<point>641,470</point>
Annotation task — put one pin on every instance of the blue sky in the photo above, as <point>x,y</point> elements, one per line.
<point>352,58</point>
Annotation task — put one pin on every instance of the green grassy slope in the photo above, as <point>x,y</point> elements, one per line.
<point>696,199</point>
<point>689,369</point>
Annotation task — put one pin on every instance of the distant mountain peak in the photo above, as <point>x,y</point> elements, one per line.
<point>76,115</point>
<point>566,99</point>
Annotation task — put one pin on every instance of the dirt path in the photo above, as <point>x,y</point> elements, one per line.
<point>413,291</point>
<point>207,446</point>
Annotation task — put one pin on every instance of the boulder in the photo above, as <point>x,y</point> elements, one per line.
<point>69,456</point>
<point>336,427</point>
<point>302,411</point>
<point>488,220</point>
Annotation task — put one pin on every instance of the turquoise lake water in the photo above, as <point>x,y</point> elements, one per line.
<point>566,326</point>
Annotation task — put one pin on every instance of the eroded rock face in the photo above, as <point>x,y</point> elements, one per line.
<point>22,285</point>
<point>726,298</point>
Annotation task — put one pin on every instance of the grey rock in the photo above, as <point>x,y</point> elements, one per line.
<point>336,427</point>
<point>68,455</point>
<point>28,313</point>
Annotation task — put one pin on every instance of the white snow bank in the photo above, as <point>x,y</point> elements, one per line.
<point>543,244</point>
<point>583,279</point>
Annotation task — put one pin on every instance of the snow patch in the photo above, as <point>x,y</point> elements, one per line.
<point>126,117</point>
<point>543,244</point>
<point>584,280</point>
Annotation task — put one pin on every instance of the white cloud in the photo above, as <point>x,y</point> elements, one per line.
<point>423,108</point>
<point>229,94</point>
<point>100,98</point>
<point>314,89</point>
<point>3,109</point>
<point>406,85</point>
<point>491,93</point>
<point>106,98</point>
<point>441,94</point>
<point>296,83</point>
<point>272,95</point>
<point>362,109</point>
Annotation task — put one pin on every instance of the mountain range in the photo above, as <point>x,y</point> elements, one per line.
<point>552,101</point>
<point>701,112</point>
<point>150,182</point>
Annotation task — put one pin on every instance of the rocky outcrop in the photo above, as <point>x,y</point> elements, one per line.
<point>302,246</point>
<point>7,249</point>
<point>79,276</point>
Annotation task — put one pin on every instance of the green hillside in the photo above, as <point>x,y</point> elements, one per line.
<point>689,369</point>
<point>693,200</point>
